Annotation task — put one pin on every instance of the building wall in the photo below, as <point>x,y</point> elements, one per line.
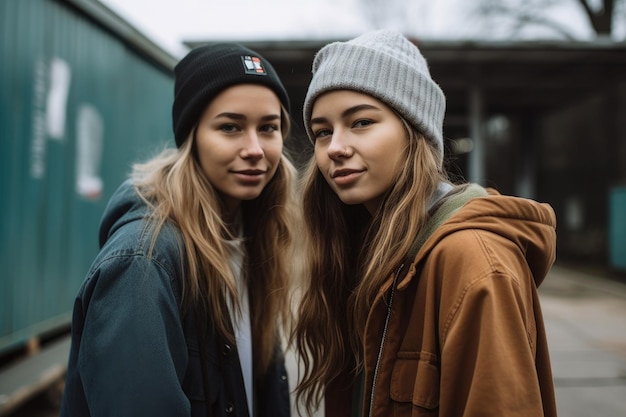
<point>582,154</point>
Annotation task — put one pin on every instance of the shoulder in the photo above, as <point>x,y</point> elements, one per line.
<point>473,259</point>
<point>466,254</point>
<point>134,259</point>
<point>472,269</point>
<point>139,239</point>
<point>469,255</point>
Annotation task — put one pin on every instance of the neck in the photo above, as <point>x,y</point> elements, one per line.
<point>232,220</point>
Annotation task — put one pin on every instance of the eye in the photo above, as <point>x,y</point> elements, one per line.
<point>269,128</point>
<point>229,128</point>
<point>322,133</point>
<point>362,123</point>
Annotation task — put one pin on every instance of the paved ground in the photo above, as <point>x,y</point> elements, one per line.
<point>585,315</point>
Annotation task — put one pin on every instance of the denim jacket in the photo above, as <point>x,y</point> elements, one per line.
<point>133,353</point>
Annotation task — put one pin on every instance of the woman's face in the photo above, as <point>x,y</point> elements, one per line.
<point>359,146</point>
<point>239,142</point>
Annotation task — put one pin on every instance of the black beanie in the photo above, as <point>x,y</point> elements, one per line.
<point>207,70</point>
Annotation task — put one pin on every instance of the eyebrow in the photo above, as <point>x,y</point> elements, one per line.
<point>347,112</point>
<point>239,116</point>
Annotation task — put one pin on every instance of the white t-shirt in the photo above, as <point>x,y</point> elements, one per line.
<point>241,323</point>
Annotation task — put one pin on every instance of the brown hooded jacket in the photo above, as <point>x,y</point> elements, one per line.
<point>458,331</point>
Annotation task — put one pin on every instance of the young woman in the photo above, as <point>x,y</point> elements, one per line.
<point>181,312</point>
<point>421,298</point>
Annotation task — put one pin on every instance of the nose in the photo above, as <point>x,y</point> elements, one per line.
<point>339,146</point>
<point>252,148</point>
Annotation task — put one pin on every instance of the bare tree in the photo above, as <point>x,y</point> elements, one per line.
<point>504,18</point>
<point>513,16</point>
<point>601,19</point>
<point>520,14</point>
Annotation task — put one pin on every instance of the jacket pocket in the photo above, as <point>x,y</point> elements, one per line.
<point>415,381</point>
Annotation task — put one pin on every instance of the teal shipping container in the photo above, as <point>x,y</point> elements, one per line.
<point>83,96</point>
<point>617,228</point>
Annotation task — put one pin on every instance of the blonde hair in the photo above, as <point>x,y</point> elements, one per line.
<point>177,189</point>
<point>349,255</point>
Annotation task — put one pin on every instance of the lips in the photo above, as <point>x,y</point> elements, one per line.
<point>346,177</point>
<point>344,172</point>
<point>249,176</point>
<point>251,172</point>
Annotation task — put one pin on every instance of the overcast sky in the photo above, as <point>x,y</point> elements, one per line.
<point>170,22</point>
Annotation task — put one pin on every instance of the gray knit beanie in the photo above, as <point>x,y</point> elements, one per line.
<point>387,66</point>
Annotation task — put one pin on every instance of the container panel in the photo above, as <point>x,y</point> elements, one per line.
<point>617,228</point>
<point>78,106</point>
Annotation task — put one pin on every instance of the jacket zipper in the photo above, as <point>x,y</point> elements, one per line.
<point>382,342</point>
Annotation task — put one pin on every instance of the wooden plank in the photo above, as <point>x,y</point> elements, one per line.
<point>22,380</point>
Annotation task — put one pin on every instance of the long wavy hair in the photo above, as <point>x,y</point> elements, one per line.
<point>349,255</point>
<point>175,185</point>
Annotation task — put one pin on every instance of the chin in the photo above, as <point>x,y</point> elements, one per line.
<point>351,201</point>
<point>249,196</point>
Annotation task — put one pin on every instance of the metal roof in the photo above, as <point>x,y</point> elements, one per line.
<point>514,77</point>
<point>119,27</point>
